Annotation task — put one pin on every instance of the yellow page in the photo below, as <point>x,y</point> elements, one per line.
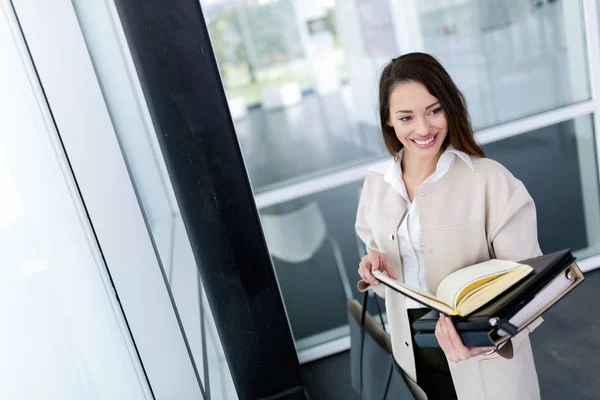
<point>496,287</point>
<point>475,288</point>
<point>424,298</point>
<point>454,286</point>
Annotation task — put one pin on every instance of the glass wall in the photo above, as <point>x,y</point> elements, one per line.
<point>558,165</point>
<point>256,44</point>
<point>132,123</point>
<point>512,59</point>
<point>63,334</point>
<point>305,102</point>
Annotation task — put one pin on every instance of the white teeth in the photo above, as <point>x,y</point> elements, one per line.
<point>423,143</point>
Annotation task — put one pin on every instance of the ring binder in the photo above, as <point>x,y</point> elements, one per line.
<point>554,276</point>
<point>508,327</point>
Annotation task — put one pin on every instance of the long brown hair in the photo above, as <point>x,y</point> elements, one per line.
<point>425,69</point>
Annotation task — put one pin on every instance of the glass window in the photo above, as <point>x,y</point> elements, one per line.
<point>320,256</point>
<point>510,58</point>
<point>63,335</point>
<point>256,44</point>
<point>302,87</point>
<point>558,165</point>
<point>152,183</point>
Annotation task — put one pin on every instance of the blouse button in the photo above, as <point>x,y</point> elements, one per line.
<point>392,236</point>
<point>422,193</point>
<point>430,251</point>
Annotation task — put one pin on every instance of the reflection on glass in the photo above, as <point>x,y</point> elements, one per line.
<point>301,75</point>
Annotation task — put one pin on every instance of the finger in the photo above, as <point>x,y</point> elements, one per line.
<point>442,337</point>
<point>362,270</point>
<point>375,264</point>
<point>439,334</point>
<point>454,352</point>
<point>374,267</point>
<point>363,267</point>
<point>387,266</point>
<point>462,352</point>
<point>476,351</point>
<point>365,272</point>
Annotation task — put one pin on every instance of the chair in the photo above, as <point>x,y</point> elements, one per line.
<point>295,237</point>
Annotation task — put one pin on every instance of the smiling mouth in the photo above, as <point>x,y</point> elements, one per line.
<point>426,142</point>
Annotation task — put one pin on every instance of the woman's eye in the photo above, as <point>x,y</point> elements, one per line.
<point>405,119</point>
<point>436,110</point>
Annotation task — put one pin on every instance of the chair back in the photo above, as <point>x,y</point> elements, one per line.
<point>296,236</point>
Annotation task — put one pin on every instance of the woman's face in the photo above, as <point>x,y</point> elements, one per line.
<point>418,119</point>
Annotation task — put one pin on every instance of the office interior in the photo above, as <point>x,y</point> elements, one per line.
<point>105,286</point>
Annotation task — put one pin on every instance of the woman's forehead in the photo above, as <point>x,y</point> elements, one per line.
<point>411,96</point>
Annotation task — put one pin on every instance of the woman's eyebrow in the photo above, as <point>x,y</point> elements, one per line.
<point>409,111</point>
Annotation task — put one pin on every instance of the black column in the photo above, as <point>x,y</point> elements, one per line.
<point>175,61</point>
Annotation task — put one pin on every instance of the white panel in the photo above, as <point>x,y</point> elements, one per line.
<point>125,101</point>
<point>127,114</point>
<point>71,86</point>
<point>62,334</point>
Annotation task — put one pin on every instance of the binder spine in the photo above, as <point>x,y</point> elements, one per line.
<point>507,327</point>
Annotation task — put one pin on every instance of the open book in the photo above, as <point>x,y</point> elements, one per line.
<point>467,289</point>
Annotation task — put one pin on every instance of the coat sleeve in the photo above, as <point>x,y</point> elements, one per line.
<point>363,230</point>
<point>515,238</point>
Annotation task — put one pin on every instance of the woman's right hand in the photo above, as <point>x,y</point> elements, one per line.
<point>374,261</point>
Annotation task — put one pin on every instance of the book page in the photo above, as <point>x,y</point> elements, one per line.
<point>452,286</point>
<point>480,296</point>
<point>424,298</point>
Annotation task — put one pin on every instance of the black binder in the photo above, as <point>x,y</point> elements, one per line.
<point>491,325</point>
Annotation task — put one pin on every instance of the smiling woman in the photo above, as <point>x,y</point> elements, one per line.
<point>470,209</point>
<point>420,126</point>
<point>420,106</point>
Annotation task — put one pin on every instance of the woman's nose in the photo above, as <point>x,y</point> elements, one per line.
<point>422,127</point>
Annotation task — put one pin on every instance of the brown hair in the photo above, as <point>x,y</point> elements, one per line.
<point>425,69</point>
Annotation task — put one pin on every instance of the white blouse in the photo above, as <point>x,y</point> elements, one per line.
<point>410,244</point>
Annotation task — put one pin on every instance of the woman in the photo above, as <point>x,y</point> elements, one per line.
<point>437,207</point>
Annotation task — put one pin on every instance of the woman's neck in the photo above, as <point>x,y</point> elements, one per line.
<point>417,169</point>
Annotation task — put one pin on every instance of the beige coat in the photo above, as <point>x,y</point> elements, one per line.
<point>468,216</point>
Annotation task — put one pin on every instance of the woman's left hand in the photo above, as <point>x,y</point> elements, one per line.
<point>452,345</point>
